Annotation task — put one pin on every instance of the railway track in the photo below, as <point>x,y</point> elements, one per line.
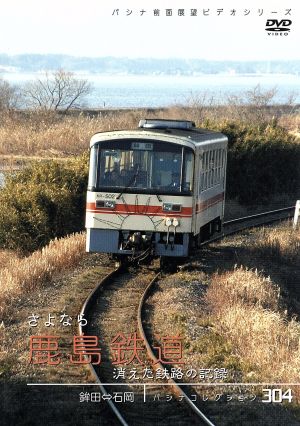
<point>120,297</point>
<point>265,218</point>
<point>116,308</point>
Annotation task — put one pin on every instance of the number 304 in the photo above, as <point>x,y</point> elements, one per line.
<point>277,395</point>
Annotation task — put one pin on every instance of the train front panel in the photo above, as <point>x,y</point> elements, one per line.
<point>140,197</point>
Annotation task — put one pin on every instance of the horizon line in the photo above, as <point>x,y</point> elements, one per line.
<point>149,57</point>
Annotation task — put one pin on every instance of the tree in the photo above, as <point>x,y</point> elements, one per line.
<point>255,105</point>
<point>58,90</point>
<point>8,95</point>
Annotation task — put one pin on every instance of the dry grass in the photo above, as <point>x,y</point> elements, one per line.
<point>7,257</point>
<point>235,319</point>
<point>264,339</point>
<point>242,286</point>
<point>281,244</point>
<point>65,136</point>
<point>291,122</point>
<point>244,308</point>
<point>21,276</point>
<point>253,343</point>
<point>54,135</point>
<point>47,134</point>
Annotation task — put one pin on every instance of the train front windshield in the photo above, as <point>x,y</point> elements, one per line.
<point>140,166</point>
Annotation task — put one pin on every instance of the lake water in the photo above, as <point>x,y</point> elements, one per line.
<point>130,91</point>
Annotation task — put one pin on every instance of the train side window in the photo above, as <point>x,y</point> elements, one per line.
<point>92,182</point>
<point>215,168</point>
<point>208,170</point>
<point>219,165</point>
<point>211,165</point>
<point>205,168</point>
<point>222,167</point>
<point>222,162</point>
<point>188,171</point>
<point>202,173</point>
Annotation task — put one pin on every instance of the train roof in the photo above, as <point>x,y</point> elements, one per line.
<point>176,131</point>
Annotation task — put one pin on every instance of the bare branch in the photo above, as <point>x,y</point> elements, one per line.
<point>59,90</point>
<point>9,95</point>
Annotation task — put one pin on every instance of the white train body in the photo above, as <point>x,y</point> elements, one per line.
<point>159,188</point>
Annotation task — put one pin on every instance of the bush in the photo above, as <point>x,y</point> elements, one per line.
<point>44,201</point>
<point>23,275</point>
<point>263,161</point>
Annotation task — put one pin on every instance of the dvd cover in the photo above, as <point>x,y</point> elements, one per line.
<point>149,213</point>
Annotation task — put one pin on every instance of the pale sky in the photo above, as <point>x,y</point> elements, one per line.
<point>88,28</point>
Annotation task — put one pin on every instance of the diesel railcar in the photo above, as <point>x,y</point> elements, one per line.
<point>158,190</point>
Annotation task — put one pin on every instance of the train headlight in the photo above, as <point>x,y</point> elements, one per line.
<point>109,204</point>
<point>167,207</point>
<point>169,221</point>
<point>105,204</point>
<point>170,207</point>
<point>175,222</point>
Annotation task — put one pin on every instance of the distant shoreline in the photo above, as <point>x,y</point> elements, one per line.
<point>122,65</point>
<point>6,73</point>
<point>172,87</point>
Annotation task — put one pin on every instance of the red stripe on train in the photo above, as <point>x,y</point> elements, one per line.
<point>204,205</point>
<point>133,209</point>
<point>139,209</point>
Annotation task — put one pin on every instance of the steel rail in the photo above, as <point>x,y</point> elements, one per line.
<point>178,390</point>
<point>255,216</point>
<point>85,308</point>
<point>226,232</point>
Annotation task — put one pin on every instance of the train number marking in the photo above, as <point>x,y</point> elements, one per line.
<point>109,196</point>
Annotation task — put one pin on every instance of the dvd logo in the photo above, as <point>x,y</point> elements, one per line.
<point>278,25</point>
